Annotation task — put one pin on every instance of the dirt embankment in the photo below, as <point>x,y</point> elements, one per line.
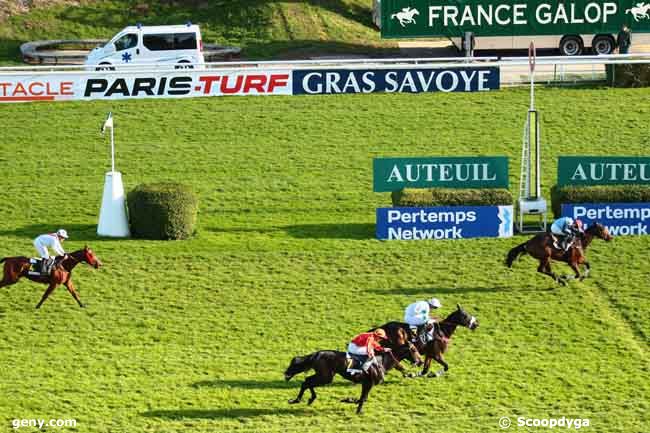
<point>15,7</point>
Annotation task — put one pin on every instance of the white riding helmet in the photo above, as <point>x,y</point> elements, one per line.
<point>434,303</point>
<point>62,233</point>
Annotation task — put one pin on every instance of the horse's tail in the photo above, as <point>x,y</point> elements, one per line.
<point>514,253</point>
<point>393,16</point>
<point>300,364</point>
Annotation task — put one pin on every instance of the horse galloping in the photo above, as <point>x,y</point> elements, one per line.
<point>327,363</point>
<point>541,247</point>
<point>17,267</point>
<point>406,16</point>
<point>443,331</point>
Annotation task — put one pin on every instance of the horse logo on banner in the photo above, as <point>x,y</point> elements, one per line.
<point>405,16</point>
<point>640,11</point>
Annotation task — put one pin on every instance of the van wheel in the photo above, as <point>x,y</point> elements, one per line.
<point>183,65</point>
<point>104,67</point>
<point>603,44</point>
<point>571,46</point>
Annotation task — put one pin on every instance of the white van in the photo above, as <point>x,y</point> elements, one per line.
<point>179,45</point>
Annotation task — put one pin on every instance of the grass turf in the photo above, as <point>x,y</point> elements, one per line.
<point>194,335</point>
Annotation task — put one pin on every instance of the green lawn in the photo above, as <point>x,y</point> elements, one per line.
<point>194,336</point>
<point>262,28</point>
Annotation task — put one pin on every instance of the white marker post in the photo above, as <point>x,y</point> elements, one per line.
<point>531,201</point>
<point>113,221</point>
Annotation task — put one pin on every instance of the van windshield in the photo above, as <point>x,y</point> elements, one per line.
<point>127,41</point>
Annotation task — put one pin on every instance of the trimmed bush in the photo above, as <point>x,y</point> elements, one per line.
<point>598,194</point>
<point>162,211</point>
<point>624,75</point>
<point>428,197</point>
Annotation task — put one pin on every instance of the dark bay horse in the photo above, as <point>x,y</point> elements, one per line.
<point>327,363</point>
<point>442,333</point>
<point>17,267</point>
<point>541,247</point>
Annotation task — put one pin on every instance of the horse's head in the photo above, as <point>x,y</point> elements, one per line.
<point>90,258</point>
<point>462,318</point>
<point>600,231</point>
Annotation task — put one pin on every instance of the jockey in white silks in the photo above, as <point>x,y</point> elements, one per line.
<point>50,240</point>
<point>417,317</point>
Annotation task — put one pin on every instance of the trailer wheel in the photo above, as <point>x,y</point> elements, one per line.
<point>603,44</point>
<point>571,46</point>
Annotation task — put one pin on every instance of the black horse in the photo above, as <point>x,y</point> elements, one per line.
<point>327,363</point>
<point>443,331</point>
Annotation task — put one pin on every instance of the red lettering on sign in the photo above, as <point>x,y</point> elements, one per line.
<point>19,89</point>
<point>277,81</point>
<point>256,82</point>
<point>4,88</point>
<point>66,88</point>
<point>32,88</point>
<point>207,87</point>
<point>231,90</point>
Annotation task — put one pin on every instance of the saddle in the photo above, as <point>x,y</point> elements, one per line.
<point>355,362</point>
<point>42,267</point>
<point>557,241</point>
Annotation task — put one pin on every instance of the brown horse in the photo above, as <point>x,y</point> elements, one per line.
<point>541,247</point>
<point>17,267</point>
<point>443,331</point>
<point>327,363</point>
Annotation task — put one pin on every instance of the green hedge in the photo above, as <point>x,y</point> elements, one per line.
<point>624,75</point>
<point>162,211</point>
<point>420,197</point>
<point>598,194</point>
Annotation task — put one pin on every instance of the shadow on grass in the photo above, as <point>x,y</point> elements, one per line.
<point>331,231</point>
<point>258,384</point>
<point>239,413</point>
<point>424,291</point>
<point>77,232</point>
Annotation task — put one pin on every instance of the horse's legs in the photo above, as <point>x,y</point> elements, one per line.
<point>49,290</point>
<point>545,268</point>
<point>587,270</point>
<point>440,360</point>
<point>427,365</point>
<point>73,292</point>
<point>365,390</point>
<point>303,388</point>
<point>315,381</point>
<point>310,383</point>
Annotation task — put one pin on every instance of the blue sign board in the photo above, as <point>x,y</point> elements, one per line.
<point>621,219</point>
<point>445,222</point>
<point>415,80</point>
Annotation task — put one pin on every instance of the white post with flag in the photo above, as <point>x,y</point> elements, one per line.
<point>113,221</point>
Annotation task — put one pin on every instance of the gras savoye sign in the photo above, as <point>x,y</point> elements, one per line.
<point>425,18</point>
<point>392,174</point>
<point>603,170</point>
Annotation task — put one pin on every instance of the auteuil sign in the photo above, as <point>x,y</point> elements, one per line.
<point>603,170</point>
<point>424,18</point>
<point>392,174</point>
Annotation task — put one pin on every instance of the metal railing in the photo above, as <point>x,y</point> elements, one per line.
<point>514,70</point>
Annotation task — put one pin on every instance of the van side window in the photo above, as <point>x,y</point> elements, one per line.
<point>184,41</point>
<point>162,42</point>
<point>170,41</point>
<point>127,41</point>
